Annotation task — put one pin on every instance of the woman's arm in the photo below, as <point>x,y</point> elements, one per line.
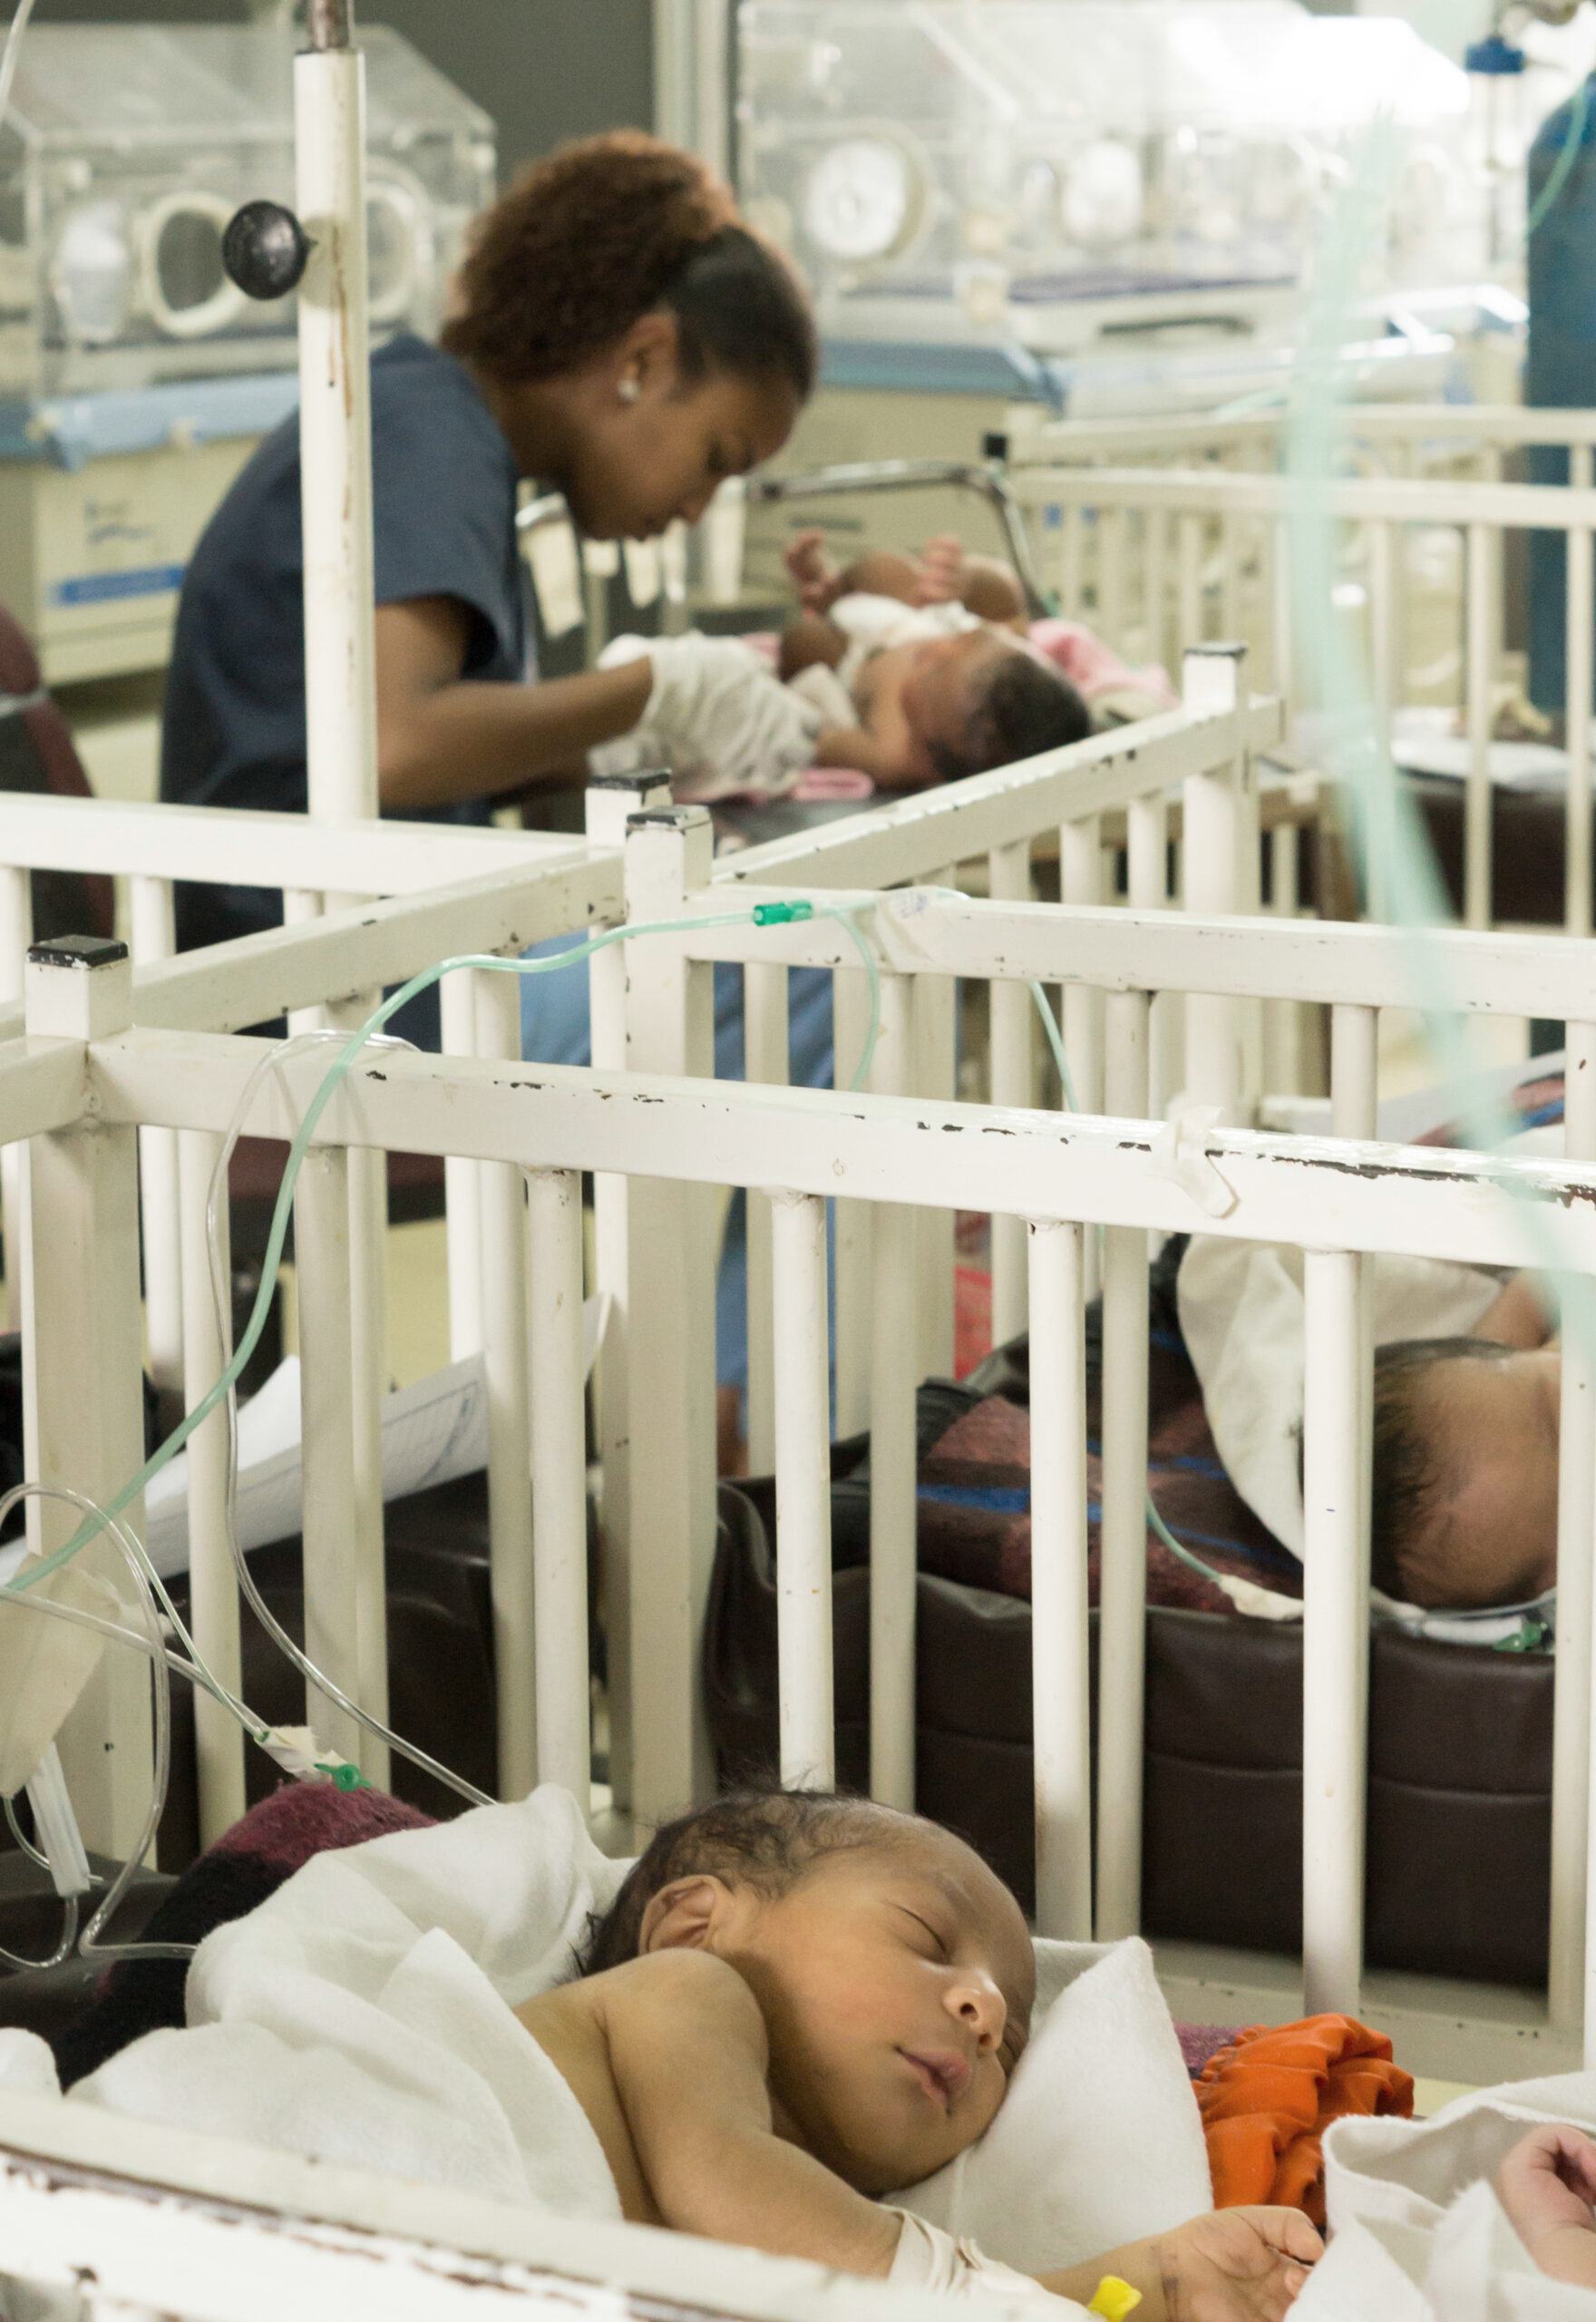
<point>688,2050</point>
<point>441,737</point>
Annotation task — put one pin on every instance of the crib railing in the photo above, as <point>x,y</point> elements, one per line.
<point>557,887</point>
<point>317,970</point>
<point>1353,972</point>
<point>1137,516</point>
<point>103,2215</point>
<point>86,1078</point>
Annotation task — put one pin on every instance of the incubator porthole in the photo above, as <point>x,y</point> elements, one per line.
<point>864,199</point>
<point>90,274</point>
<point>184,286</point>
<point>394,227</point>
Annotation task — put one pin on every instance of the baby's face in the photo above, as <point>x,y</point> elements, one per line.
<point>938,690</point>
<point>1495,1539</point>
<point>896,1983</point>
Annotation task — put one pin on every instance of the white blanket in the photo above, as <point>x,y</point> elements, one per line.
<point>1417,2235</point>
<point>361,2015</point>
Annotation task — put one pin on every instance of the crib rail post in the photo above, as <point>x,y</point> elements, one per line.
<point>765,1060</point>
<point>1212,679</point>
<point>1569,1982</point>
<point>213,1586</point>
<point>1480,666</point>
<point>326,1403</point>
<point>1335,1637</point>
<point>368,1357</point>
<point>894,1377</point>
<point>854,1221</point>
<point>1582,613</point>
<point>671,1351</point>
<point>1060,1627</point>
<point>935,1000</point>
<point>502,1197</point>
<point>1122,1592</point>
<point>462,1226</point>
<point>81,1368</point>
<point>560,1482</point>
<point>1010,873</point>
<point>803,1490</point>
<point>17,932</point>
<point>154,937</point>
<point>608,803</point>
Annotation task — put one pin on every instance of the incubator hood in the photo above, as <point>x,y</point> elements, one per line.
<point>1027,170</point>
<point>125,150</point>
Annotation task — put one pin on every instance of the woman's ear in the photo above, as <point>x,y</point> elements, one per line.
<point>647,353</point>
<point>684,1915</point>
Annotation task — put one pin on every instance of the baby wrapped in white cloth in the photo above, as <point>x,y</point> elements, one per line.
<point>367,2013</point>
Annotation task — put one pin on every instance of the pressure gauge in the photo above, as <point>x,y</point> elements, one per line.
<point>864,199</point>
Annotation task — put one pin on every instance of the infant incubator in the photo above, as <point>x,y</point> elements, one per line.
<point>123,153</point>
<point>1034,169</point>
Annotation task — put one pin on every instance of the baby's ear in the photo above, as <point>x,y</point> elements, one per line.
<point>684,1915</point>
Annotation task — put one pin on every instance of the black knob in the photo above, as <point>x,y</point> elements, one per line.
<point>993,447</point>
<point>265,249</point>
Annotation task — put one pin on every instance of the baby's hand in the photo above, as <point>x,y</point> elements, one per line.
<point>1547,2185</point>
<point>941,571</point>
<point>1240,2265</point>
<point>812,572</point>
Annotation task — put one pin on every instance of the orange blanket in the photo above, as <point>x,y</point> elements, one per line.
<point>1266,2100</point>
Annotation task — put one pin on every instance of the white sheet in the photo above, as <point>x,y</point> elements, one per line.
<point>361,2015</point>
<point>1417,2235</point>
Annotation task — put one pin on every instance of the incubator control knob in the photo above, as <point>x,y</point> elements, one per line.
<point>265,249</point>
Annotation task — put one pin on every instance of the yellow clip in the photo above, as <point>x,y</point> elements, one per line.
<point>1113,2299</point>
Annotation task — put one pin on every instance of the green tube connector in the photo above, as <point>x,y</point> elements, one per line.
<point>781,914</point>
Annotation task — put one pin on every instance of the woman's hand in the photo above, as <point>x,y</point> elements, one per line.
<point>1547,2185</point>
<point>723,719</point>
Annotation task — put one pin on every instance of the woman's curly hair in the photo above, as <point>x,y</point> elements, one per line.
<point>608,228</point>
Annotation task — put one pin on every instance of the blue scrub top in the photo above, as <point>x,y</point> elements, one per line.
<point>444,492</point>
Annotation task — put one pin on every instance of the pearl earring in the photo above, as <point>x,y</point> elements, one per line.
<point>628,390</point>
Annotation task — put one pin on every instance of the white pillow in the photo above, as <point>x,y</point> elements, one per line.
<point>1099,2141</point>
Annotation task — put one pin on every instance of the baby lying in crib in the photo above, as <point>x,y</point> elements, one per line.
<point>1465,1439</point>
<point>902,670</point>
<point>1466,1387</point>
<point>801,2003</point>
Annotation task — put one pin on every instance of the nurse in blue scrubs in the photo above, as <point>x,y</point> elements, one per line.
<point>617,337</point>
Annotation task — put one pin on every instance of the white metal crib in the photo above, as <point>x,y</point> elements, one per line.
<point>1179,530</point>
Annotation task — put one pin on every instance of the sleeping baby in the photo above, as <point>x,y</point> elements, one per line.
<point>802,2003</point>
<point>893,672</point>
<point>1467,1385</point>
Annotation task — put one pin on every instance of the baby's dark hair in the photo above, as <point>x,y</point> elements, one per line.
<point>608,228</point>
<point>1411,1473</point>
<point>758,1838</point>
<point>1021,707</point>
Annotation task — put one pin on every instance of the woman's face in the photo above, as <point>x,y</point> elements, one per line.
<point>640,443</point>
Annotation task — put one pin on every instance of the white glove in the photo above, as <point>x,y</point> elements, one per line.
<point>727,722</point>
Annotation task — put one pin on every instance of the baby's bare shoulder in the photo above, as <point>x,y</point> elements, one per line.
<point>691,1989</point>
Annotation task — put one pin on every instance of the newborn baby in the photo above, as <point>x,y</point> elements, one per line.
<point>1466,1437</point>
<point>921,665</point>
<point>888,672</point>
<point>801,2003</point>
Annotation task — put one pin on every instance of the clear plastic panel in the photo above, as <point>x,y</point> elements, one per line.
<point>127,148</point>
<point>1001,157</point>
